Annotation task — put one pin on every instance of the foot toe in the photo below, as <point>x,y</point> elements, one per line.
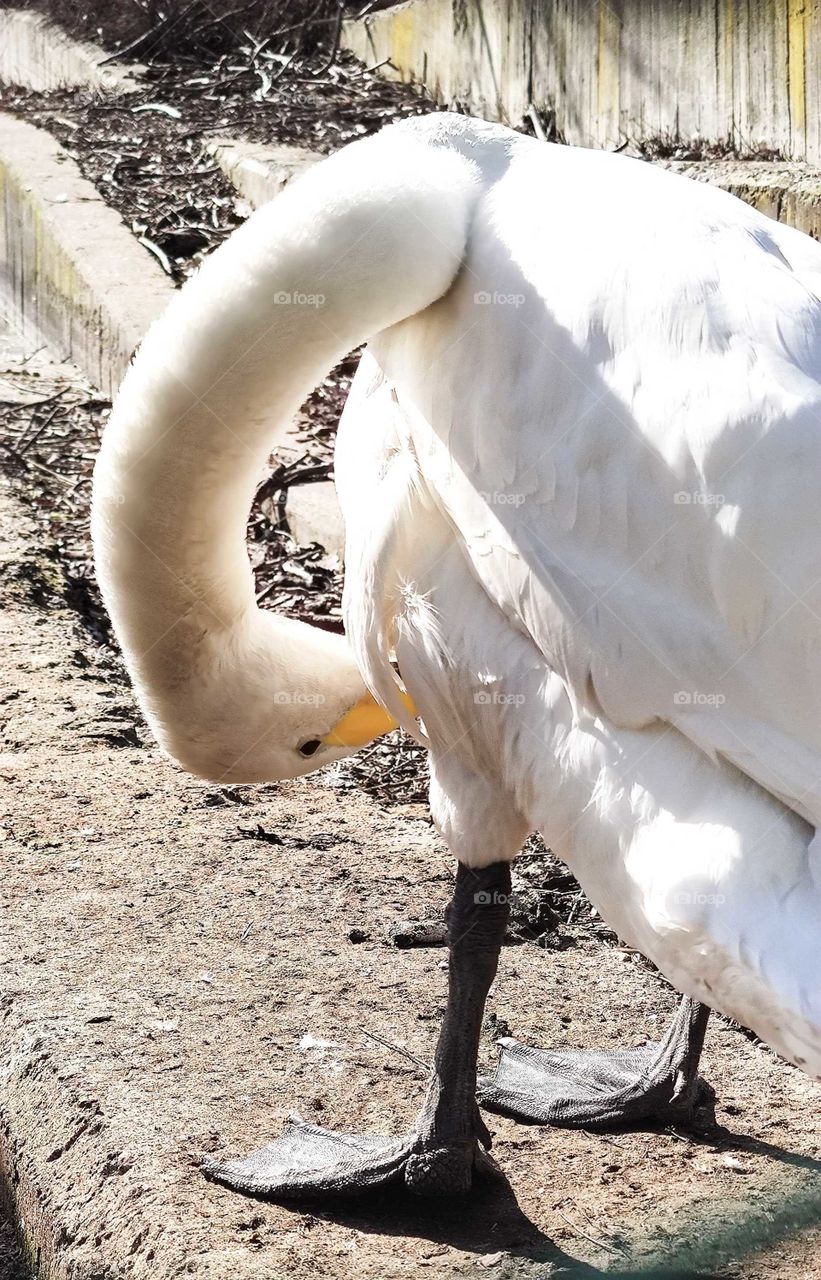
<point>308,1160</point>
<point>588,1087</point>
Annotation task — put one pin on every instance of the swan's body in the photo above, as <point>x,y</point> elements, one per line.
<point>645,657</point>
<point>579,470</point>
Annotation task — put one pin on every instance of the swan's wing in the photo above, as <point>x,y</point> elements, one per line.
<point>618,408</point>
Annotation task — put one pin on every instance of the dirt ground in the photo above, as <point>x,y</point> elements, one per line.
<point>177,974</point>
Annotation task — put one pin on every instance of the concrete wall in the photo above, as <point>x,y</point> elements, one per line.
<point>69,265</point>
<point>35,53</point>
<point>740,71</point>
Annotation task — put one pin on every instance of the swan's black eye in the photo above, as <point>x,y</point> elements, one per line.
<point>310,747</point>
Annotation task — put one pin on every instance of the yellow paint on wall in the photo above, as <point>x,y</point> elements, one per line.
<point>796,68</point>
<point>402,37</point>
<point>607,65</point>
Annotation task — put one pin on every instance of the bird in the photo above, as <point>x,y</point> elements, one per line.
<point>578,467</point>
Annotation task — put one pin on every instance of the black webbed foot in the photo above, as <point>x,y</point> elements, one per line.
<point>311,1162</point>
<point>658,1082</point>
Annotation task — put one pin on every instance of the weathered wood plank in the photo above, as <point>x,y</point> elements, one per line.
<point>741,71</point>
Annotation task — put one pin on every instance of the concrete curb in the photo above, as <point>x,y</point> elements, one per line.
<point>68,262</point>
<point>259,172</point>
<point>788,191</point>
<point>36,53</point>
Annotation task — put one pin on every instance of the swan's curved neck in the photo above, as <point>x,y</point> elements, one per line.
<point>308,278</point>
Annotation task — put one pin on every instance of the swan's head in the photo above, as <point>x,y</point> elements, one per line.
<point>269,699</point>
<point>232,692</point>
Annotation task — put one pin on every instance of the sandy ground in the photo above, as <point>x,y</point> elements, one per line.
<point>176,976</point>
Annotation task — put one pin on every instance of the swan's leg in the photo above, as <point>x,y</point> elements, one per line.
<point>449,1141</point>
<point>593,1087</point>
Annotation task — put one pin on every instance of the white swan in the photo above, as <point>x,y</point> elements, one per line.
<point>579,468</point>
